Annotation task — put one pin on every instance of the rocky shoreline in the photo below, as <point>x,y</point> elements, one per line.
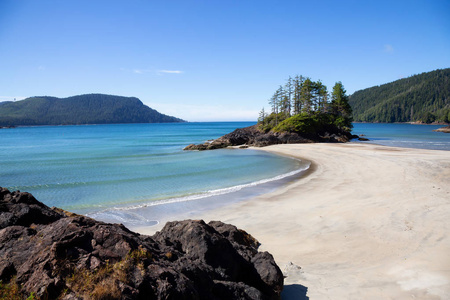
<point>443,129</point>
<point>253,136</point>
<point>49,253</point>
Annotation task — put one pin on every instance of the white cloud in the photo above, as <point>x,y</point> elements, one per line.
<point>157,72</point>
<point>388,48</point>
<point>170,71</point>
<point>141,71</point>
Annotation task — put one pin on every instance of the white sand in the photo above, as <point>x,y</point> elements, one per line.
<point>368,222</point>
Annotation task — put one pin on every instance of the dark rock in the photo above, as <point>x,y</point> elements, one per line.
<point>56,254</point>
<point>253,136</point>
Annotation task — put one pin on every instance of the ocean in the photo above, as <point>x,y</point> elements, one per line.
<point>114,172</point>
<point>404,135</point>
<point>138,174</point>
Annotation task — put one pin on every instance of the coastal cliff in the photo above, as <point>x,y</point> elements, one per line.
<point>49,253</point>
<point>254,136</point>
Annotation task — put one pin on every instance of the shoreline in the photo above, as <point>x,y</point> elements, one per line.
<point>156,214</point>
<point>367,222</point>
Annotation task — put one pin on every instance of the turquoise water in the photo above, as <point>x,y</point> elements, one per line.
<point>100,169</point>
<point>137,173</point>
<point>404,135</point>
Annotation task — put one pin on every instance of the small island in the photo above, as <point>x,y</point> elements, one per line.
<point>300,113</point>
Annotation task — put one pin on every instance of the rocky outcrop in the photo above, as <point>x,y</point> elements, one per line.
<point>252,136</point>
<point>56,254</point>
<point>443,129</point>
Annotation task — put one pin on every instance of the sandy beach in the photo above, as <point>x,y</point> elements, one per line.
<point>366,222</point>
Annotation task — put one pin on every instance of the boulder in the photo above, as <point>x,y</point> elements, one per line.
<point>56,254</point>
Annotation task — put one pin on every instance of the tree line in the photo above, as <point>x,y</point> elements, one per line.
<point>300,96</point>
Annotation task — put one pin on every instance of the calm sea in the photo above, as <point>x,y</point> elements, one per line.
<point>404,135</point>
<point>137,173</point>
<point>109,171</point>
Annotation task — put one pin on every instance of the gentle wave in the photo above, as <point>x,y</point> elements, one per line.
<point>206,194</point>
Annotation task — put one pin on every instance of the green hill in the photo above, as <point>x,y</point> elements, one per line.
<point>424,97</point>
<point>83,109</point>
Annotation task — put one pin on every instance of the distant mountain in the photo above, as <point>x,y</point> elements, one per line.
<point>83,109</point>
<point>424,97</point>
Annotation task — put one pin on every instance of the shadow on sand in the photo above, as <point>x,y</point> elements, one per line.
<point>294,291</point>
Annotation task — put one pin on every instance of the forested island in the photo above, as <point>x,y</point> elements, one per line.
<point>303,106</point>
<point>423,98</point>
<point>302,111</point>
<point>76,110</point>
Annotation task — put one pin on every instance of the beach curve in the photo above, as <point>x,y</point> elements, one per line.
<point>368,222</point>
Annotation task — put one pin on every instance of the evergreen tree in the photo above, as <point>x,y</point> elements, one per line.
<point>288,88</point>
<point>306,96</point>
<point>340,107</point>
<point>275,104</point>
<point>262,116</point>
<point>322,96</point>
<point>284,102</point>
<point>297,104</point>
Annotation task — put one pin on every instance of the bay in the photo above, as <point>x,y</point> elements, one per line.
<point>138,174</point>
<point>93,168</point>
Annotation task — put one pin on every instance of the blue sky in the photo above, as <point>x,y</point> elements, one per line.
<point>213,60</point>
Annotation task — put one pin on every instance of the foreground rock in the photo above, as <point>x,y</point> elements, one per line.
<point>443,129</point>
<point>56,254</point>
<point>252,136</point>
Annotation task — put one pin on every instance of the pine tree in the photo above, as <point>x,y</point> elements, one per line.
<point>297,104</point>
<point>275,104</point>
<point>306,96</point>
<point>288,95</point>
<point>340,107</point>
<point>321,95</point>
<point>262,116</point>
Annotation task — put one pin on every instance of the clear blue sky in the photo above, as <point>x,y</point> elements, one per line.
<point>213,60</point>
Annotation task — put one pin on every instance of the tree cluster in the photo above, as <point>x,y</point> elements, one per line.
<point>306,101</point>
<point>424,97</point>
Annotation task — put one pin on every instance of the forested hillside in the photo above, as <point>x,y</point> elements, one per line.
<point>424,97</point>
<point>83,109</point>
